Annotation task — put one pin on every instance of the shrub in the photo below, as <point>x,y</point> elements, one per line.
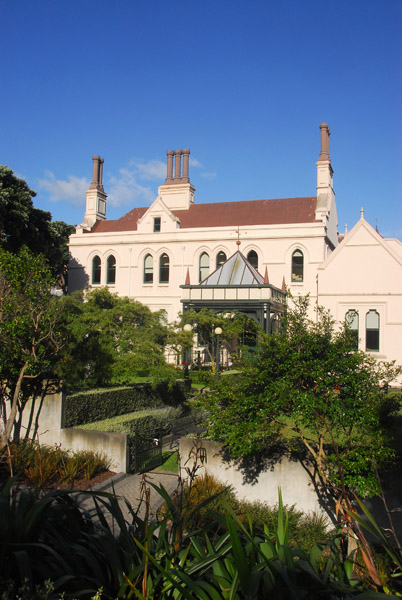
<point>307,529</point>
<point>42,465</point>
<point>88,407</point>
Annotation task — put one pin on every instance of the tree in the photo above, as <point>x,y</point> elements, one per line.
<point>30,333</point>
<point>109,339</point>
<point>21,224</point>
<point>237,331</point>
<point>306,387</point>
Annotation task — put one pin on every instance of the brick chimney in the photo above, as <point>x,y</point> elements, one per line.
<point>177,192</point>
<point>96,196</point>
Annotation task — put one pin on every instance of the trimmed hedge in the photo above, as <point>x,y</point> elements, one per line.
<point>143,430</point>
<point>87,407</point>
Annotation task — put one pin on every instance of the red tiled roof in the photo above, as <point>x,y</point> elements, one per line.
<point>248,212</point>
<point>226,214</point>
<point>126,223</point>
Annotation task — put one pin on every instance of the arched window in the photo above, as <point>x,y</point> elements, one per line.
<point>111,270</point>
<point>352,322</point>
<point>164,269</point>
<point>204,266</point>
<point>252,258</point>
<point>148,269</point>
<point>220,259</point>
<point>96,270</point>
<point>372,331</point>
<point>297,265</point>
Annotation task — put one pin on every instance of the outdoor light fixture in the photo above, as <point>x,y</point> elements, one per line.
<point>218,332</point>
<point>187,327</point>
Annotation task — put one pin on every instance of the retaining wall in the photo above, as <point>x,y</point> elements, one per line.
<point>290,476</point>
<point>52,431</point>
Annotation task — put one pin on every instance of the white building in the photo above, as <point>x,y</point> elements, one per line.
<point>150,252</point>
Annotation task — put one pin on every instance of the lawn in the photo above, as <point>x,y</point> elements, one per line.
<point>170,462</point>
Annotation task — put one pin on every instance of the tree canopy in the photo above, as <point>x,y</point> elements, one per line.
<point>308,388</point>
<point>30,330</point>
<point>238,331</point>
<point>110,339</point>
<point>21,224</point>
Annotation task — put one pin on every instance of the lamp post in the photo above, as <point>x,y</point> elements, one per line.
<point>218,332</point>
<point>187,327</point>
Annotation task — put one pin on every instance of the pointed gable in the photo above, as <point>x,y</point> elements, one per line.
<point>363,263</point>
<point>235,271</point>
<point>158,212</point>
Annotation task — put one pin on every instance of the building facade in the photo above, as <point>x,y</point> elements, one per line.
<point>153,254</point>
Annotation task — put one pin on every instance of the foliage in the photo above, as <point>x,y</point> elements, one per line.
<point>91,406</point>
<point>237,331</point>
<point>21,224</point>
<point>110,339</point>
<point>307,529</point>
<point>31,333</point>
<point>309,382</point>
<point>43,465</point>
<point>51,537</point>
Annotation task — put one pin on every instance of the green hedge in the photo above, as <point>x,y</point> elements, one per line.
<point>87,407</point>
<point>143,430</point>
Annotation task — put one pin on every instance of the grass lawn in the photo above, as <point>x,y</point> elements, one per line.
<point>170,462</point>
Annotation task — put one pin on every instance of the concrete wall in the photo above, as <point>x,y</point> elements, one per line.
<point>52,431</point>
<point>290,476</point>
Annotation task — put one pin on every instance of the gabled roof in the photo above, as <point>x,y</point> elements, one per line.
<point>126,223</point>
<point>226,214</point>
<point>348,240</point>
<point>235,271</point>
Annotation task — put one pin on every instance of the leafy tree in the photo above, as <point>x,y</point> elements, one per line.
<point>307,387</point>
<point>21,224</point>
<point>30,334</point>
<point>110,339</point>
<point>237,331</point>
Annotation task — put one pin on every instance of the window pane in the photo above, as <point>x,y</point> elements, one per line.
<point>111,270</point>
<point>297,265</point>
<point>157,224</point>
<point>372,340</point>
<point>204,266</point>
<point>352,321</point>
<point>373,331</point>
<point>164,269</point>
<point>96,270</point>
<point>372,319</point>
<point>148,269</point>
<point>220,259</point>
<point>252,258</point>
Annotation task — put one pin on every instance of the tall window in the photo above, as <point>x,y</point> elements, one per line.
<point>373,331</point>
<point>111,270</point>
<point>352,322</point>
<point>204,266</point>
<point>164,269</point>
<point>252,258</point>
<point>157,224</point>
<point>148,269</point>
<point>220,259</point>
<point>96,270</point>
<point>297,265</point>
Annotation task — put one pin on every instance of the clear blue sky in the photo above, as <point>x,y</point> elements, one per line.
<point>243,84</point>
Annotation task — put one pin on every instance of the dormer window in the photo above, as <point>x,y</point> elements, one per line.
<point>157,224</point>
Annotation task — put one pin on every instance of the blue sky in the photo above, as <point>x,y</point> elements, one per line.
<point>244,85</point>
